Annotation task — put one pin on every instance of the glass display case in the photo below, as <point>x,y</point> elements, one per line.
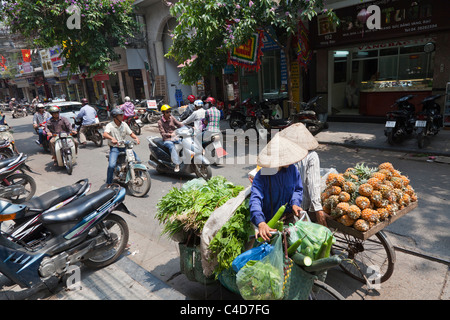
<point>397,85</point>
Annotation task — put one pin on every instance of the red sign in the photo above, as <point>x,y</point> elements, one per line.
<point>101,77</point>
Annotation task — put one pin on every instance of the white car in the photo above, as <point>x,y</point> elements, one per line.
<point>69,109</point>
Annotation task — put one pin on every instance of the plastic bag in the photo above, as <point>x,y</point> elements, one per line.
<point>324,172</point>
<point>196,183</point>
<point>263,280</point>
<point>313,235</point>
<point>256,254</point>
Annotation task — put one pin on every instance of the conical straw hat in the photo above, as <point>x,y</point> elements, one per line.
<point>280,152</point>
<point>299,134</point>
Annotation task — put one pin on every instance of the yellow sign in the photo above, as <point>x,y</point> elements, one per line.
<point>295,83</point>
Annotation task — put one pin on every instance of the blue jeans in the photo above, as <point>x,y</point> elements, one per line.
<point>41,135</point>
<point>113,155</point>
<point>173,153</point>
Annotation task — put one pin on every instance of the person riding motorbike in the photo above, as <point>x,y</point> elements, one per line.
<point>167,125</point>
<point>197,116</point>
<point>56,125</point>
<point>12,104</point>
<point>39,118</point>
<point>127,108</point>
<point>212,119</point>
<point>116,131</point>
<point>89,116</point>
<point>190,108</point>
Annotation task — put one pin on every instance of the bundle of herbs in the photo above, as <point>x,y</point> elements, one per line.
<point>188,208</point>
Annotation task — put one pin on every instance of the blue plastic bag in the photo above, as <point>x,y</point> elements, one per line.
<point>256,254</point>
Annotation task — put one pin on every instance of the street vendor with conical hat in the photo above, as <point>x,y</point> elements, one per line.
<point>277,183</point>
<point>309,169</point>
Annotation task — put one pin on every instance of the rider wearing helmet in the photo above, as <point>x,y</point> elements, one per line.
<point>197,116</point>
<point>56,125</point>
<point>212,116</point>
<point>116,131</point>
<point>167,126</point>
<point>189,109</point>
<point>127,108</point>
<point>89,116</point>
<point>39,120</point>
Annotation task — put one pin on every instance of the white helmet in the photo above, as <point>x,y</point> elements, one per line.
<point>127,99</point>
<point>198,103</point>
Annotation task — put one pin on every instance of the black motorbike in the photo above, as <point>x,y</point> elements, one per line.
<point>400,123</point>
<point>16,187</point>
<point>92,132</point>
<point>428,121</point>
<point>23,228</point>
<point>189,149</point>
<point>85,231</point>
<point>308,116</point>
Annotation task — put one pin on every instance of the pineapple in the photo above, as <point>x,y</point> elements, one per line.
<point>390,196</point>
<point>387,173</point>
<point>330,203</point>
<point>344,196</point>
<point>375,183</point>
<point>396,173</point>
<point>397,182</point>
<point>378,175</point>
<point>386,165</point>
<point>413,197</point>
<point>350,176</point>
<point>353,212</point>
<point>406,180</point>
<point>409,190</point>
<point>330,177</point>
<point>363,172</point>
<point>346,220</point>
<point>392,209</point>
<point>336,179</point>
<point>365,189</point>
<point>405,200</point>
<point>377,198</point>
<point>361,225</point>
<point>333,190</point>
<point>362,202</point>
<point>324,196</point>
<point>349,187</point>
<point>398,194</point>
<point>370,215</point>
<point>384,214</point>
<point>340,210</point>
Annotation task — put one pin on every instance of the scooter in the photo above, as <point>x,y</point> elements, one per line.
<point>84,231</point>
<point>65,151</point>
<point>400,123</point>
<point>190,150</point>
<point>92,132</point>
<point>19,111</point>
<point>308,116</point>
<point>7,148</point>
<point>21,229</point>
<point>16,185</point>
<point>130,172</point>
<point>265,123</point>
<point>46,139</point>
<point>245,115</point>
<point>428,121</point>
<point>212,144</point>
<point>135,124</point>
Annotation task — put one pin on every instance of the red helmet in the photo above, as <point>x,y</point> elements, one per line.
<point>191,98</point>
<point>211,100</point>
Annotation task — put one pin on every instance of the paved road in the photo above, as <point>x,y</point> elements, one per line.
<point>156,259</point>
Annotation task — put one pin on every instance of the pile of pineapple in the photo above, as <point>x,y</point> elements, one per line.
<point>363,196</point>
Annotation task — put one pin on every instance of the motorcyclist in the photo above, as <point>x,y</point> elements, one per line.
<point>13,104</point>
<point>89,116</point>
<point>127,108</point>
<point>190,108</point>
<point>39,120</point>
<point>197,116</point>
<point>212,116</point>
<point>167,125</point>
<point>56,125</point>
<point>116,131</point>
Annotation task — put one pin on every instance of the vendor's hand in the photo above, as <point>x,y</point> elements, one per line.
<point>296,209</point>
<point>264,231</point>
<point>321,217</point>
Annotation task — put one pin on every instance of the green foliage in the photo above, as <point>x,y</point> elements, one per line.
<point>105,24</point>
<point>208,29</point>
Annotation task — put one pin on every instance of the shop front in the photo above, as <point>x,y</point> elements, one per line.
<point>368,69</point>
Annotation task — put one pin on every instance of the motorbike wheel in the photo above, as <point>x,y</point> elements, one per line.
<point>141,186</point>
<point>117,228</point>
<point>6,153</point>
<point>135,128</point>
<point>152,118</point>
<point>102,115</point>
<point>391,137</point>
<point>203,171</point>
<point>420,139</point>
<point>68,163</point>
<point>21,179</point>
<point>97,139</point>
<point>236,122</point>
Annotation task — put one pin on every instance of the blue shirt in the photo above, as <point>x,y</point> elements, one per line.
<point>286,188</point>
<point>88,114</point>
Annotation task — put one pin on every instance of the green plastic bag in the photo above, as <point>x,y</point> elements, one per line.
<point>263,280</point>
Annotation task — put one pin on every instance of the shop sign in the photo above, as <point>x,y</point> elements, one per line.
<point>101,77</point>
<point>248,55</point>
<point>398,18</point>
<point>47,65</point>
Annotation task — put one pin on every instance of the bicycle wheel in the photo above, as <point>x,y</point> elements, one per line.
<point>322,291</point>
<point>370,261</point>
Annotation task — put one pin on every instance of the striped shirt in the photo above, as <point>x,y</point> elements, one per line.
<point>212,117</point>
<point>309,169</point>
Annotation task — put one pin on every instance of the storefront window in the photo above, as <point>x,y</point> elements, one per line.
<point>340,66</point>
<point>271,73</point>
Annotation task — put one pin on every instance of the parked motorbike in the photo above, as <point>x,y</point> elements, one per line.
<point>189,149</point>
<point>19,111</point>
<point>308,116</point>
<point>266,122</point>
<point>84,231</point>
<point>23,228</point>
<point>400,123</point>
<point>135,124</point>
<point>92,132</point>
<point>428,121</point>
<point>151,114</point>
<point>244,116</point>
<point>7,148</point>
<point>65,151</point>
<point>131,173</point>
<point>16,187</point>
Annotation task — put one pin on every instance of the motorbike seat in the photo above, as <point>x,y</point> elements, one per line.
<point>309,112</point>
<point>278,122</point>
<point>160,143</point>
<point>53,197</point>
<point>62,220</point>
<point>6,162</point>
